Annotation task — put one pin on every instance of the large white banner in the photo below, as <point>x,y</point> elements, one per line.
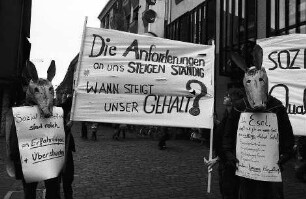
<point>284,59</point>
<point>257,147</point>
<point>41,142</point>
<point>137,79</point>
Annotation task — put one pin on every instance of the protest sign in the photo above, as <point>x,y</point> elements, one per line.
<point>257,147</point>
<point>284,59</point>
<point>136,79</point>
<point>41,142</point>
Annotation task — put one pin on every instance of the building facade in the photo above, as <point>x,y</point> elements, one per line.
<point>15,21</point>
<point>232,25</point>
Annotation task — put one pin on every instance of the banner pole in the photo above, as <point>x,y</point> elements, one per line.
<point>77,70</point>
<point>210,158</point>
<point>212,126</point>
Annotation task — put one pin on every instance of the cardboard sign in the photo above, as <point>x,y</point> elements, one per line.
<point>137,79</point>
<point>284,59</point>
<point>257,147</point>
<point>41,142</point>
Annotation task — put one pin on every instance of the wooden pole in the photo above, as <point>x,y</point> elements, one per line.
<point>210,158</point>
<point>212,127</point>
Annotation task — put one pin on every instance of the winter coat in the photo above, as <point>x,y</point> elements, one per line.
<point>218,135</point>
<point>228,181</point>
<point>66,106</point>
<point>14,155</point>
<point>248,188</point>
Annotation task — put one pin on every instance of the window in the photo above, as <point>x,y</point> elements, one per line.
<point>106,21</point>
<point>135,13</point>
<point>196,26</point>
<point>134,22</point>
<point>178,1</point>
<point>237,31</point>
<point>127,21</point>
<point>286,16</point>
<point>103,23</point>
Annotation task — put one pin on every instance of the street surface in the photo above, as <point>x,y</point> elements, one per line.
<point>136,168</point>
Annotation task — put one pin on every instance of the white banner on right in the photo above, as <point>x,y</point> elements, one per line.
<point>284,58</point>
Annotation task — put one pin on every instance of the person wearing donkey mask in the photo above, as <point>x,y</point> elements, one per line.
<point>257,100</point>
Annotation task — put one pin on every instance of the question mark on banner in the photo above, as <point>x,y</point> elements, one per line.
<point>195,110</point>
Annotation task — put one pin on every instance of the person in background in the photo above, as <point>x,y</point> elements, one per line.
<point>165,136</point>
<point>228,181</point>
<point>118,129</point>
<point>123,128</point>
<point>94,128</point>
<point>84,130</point>
<point>68,170</point>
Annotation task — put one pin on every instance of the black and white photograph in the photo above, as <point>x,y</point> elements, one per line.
<point>152,99</point>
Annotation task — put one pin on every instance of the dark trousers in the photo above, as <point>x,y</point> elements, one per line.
<point>301,172</point>
<point>162,141</point>
<point>123,130</point>
<point>253,189</point>
<point>94,134</point>
<point>116,135</point>
<point>52,189</point>
<point>84,130</point>
<point>228,182</point>
<point>68,176</point>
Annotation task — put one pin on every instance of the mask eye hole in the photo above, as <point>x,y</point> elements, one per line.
<point>51,89</point>
<point>36,90</point>
<point>261,79</point>
<point>248,81</point>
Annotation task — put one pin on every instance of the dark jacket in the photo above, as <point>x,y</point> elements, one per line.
<point>218,136</point>
<point>66,106</point>
<point>228,181</point>
<point>286,138</point>
<point>14,152</point>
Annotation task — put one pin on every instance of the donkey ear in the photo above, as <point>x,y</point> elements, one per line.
<point>31,71</point>
<point>25,75</point>
<point>239,61</point>
<point>257,54</point>
<point>51,71</point>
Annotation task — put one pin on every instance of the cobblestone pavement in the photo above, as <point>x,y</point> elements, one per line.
<point>135,168</point>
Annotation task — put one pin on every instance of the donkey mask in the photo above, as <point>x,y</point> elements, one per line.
<point>40,91</point>
<point>255,79</point>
